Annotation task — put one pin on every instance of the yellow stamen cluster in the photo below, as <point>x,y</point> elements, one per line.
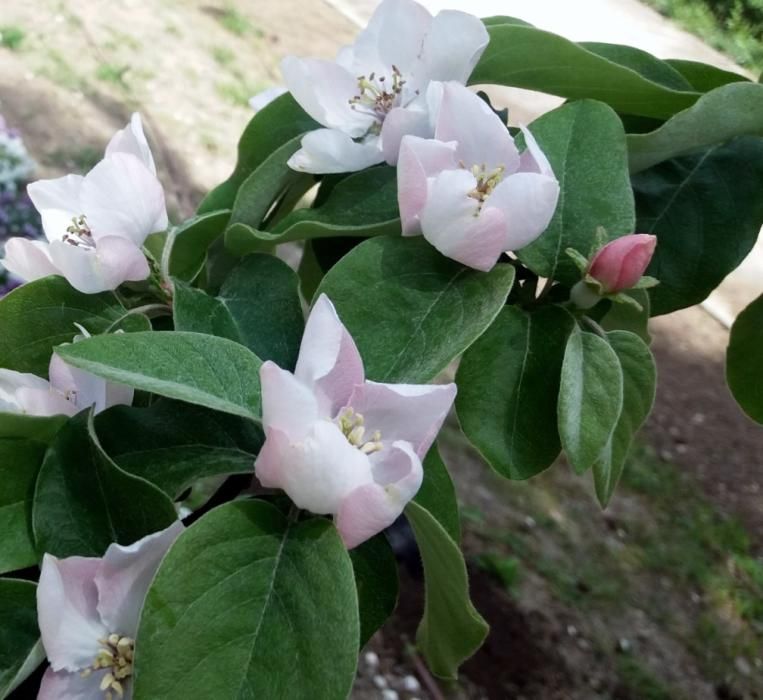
<point>376,96</point>
<point>352,425</point>
<point>486,182</point>
<point>79,234</point>
<point>116,656</point>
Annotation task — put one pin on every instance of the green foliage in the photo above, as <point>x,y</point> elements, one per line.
<point>743,369</point>
<point>20,648</point>
<point>11,37</point>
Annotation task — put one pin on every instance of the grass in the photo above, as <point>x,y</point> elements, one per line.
<point>58,70</point>
<point>236,23</point>
<point>222,56</point>
<point>12,37</point>
<point>733,27</point>
<point>112,73</point>
<point>640,682</point>
<point>77,160</point>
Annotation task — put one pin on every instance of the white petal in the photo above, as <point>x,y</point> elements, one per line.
<point>482,138</point>
<point>528,201</point>
<point>67,600</point>
<point>66,685</point>
<point>122,197</point>
<point>265,97</point>
<point>28,260</point>
<point>124,575</point>
<point>453,46</point>
<point>288,405</point>
<point>132,140</point>
<point>400,121</point>
<point>533,160</point>
<point>11,381</point>
<point>58,201</point>
<point>329,361</point>
<point>86,389</point>
<point>324,89</point>
<point>39,402</point>
<point>332,151</point>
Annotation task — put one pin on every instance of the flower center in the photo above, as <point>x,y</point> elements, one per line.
<point>79,234</point>
<point>377,96</point>
<point>352,426</point>
<point>486,182</point>
<point>115,656</point>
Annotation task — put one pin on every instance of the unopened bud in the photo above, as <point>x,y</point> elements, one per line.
<point>621,263</point>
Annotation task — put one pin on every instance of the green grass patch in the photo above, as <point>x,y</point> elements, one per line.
<point>506,569</point>
<point>222,56</point>
<point>641,682</point>
<point>112,73</point>
<point>12,37</point>
<point>236,23</point>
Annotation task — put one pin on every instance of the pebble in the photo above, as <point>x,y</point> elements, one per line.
<point>742,665</point>
<point>380,681</point>
<point>389,694</point>
<point>371,659</point>
<point>529,522</point>
<point>624,645</point>
<point>411,684</point>
<point>572,631</point>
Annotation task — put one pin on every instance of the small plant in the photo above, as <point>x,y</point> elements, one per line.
<point>12,37</point>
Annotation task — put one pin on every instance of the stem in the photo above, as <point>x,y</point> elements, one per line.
<point>595,327</point>
<point>148,309</point>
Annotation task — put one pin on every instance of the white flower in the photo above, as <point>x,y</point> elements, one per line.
<point>375,91</point>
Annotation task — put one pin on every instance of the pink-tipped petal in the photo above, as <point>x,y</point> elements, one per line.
<point>413,413</point>
<point>528,202</point>
<point>329,361</point>
<point>57,200</point>
<point>28,260</point>
<point>64,685</point>
<point>483,140</point>
<point>122,197</point>
<point>133,141</point>
<point>333,151</point>
<point>621,263</point>
<point>67,600</point>
<point>453,46</point>
<point>419,160</point>
<point>273,459</point>
<point>124,575</point>
<point>288,405</point>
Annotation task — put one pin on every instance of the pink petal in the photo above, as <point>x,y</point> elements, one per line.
<point>413,413</point>
<point>621,263</point>
<point>133,141</point>
<point>329,360</point>
<point>527,202</point>
<point>419,160</point>
<point>65,685</point>
<point>85,388</point>
<point>288,405</point>
<point>120,260</point>
<point>67,613</point>
<point>57,200</point>
<point>28,260</point>
<point>44,402</point>
<point>452,222</point>
<point>333,151</point>
<point>124,576</point>
<point>122,197</point>
<point>273,459</point>
<point>400,122</point>
<point>533,160</point>
<point>453,46</point>
<point>324,89</point>
<point>482,138</point>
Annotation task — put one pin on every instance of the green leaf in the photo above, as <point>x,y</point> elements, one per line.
<point>174,444</point>
<point>639,382</point>
<point>20,462</point>
<point>743,360</point>
<point>200,369</point>
<point>702,76</point>
<point>362,204</point>
<point>590,397</point>
<point>411,310</point>
<point>508,383</point>
<point>530,58</point>
<point>627,317</point>
<point>39,428</point>
<point>438,495</point>
<point>248,604</point>
<point>39,315</point>
<point>585,144</point>
<point>280,121</point>
<point>20,649</point>
<point>728,111</point>
<point>257,306</point>
<point>504,19</point>
<point>83,501</point>
<point>375,569</point>
<point>706,210</point>
<point>451,629</point>
<point>190,241</point>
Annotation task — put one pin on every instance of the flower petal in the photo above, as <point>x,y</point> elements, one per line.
<point>263,98</point>
<point>124,575</point>
<point>318,472</point>
<point>419,160</point>
<point>528,202</point>
<point>39,402</point>
<point>532,159</point>
<point>324,89</point>
<point>288,405</point>
<point>28,260</point>
<point>86,389</point>
<point>452,223</point>
<point>329,360</point>
<point>453,46</point>
<point>413,413</point>
<point>57,200</point>
<point>413,119</point>
<point>483,139</point>
<point>132,140</point>
<point>333,151</point>
<point>65,685</point>
<point>67,613</point>
<point>122,197</point>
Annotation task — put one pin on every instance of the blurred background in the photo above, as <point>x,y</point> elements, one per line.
<point>659,597</point>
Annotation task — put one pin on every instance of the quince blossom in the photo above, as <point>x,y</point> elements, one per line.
<point>338,444</point>
<point>376,90</point>
<point>69,391</point>
<point>621,263</point>
<point>96,224</point>
<point>468,190</point>
<point>88,611</point>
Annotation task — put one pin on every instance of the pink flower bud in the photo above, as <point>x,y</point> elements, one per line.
<point>621,263</point>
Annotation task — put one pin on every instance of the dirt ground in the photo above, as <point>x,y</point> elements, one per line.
<point>656,598</point>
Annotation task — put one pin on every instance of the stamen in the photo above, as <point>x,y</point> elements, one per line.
<point>79,234</point>
<point>374,98</point>
<point>116,657</point>
<point>486,182</point>
<point>352,425</point>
